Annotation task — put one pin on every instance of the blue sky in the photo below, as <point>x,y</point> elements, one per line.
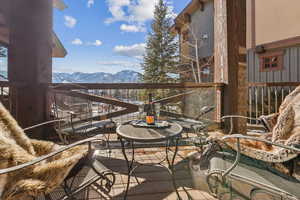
<point>105,35</point>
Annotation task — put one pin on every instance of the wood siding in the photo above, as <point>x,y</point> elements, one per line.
<point>202,23</point>
<point>289,73</point>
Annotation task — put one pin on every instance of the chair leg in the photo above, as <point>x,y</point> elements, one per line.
<point>108,145</point>
<point>87,193</point>
<point>48,197</point>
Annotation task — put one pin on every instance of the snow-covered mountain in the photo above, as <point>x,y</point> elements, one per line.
<point>126,76</point>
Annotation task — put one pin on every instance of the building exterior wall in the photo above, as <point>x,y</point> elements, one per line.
<point>272,20</point>
<point>202,24</point>
<point>272,24</point>
<point>250,23</point>
<point>276,20</point>
<point>289,73</point>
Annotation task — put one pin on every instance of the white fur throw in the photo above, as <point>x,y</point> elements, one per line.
<point>286,131</point>
<point>16,148</point>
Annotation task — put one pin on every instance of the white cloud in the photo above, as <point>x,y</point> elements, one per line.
<point>136,50</point>
<point>134,11</point>
<point>171,13</point>
<point>96,43</point>
<point>132,28</point>
<point>142,10</point>
<point>90,3</point>
<point>77,41</point>
<point>70,21</point>
<point>116,8</point>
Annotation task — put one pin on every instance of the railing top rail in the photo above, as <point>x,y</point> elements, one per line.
<point>69,86</point>
<point>4,84</point>
<point>273,84</point>
<point>66,86</point>
<point>12,84</point>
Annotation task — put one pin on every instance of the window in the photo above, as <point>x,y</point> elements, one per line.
<point>271,61</point>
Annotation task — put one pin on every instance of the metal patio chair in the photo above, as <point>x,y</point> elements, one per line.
<point>229,174</point>
<point>78,117</point>
<point>35,169</point>
<point>233,169</point>
<point>198,125</point>
<point>232,175</point>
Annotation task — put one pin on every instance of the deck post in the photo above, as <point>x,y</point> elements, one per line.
<point>230,67</point>
<point>30,60</point>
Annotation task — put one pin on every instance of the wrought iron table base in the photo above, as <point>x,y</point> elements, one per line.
<point>170,166</point>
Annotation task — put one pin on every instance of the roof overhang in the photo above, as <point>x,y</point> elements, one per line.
<point>185,16</point>
<point>58,50</point>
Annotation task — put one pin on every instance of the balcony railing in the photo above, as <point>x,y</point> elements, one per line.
<point>119,101</point>
<point>265,98</point>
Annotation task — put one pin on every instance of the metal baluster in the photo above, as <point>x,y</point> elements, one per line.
<point>282,94</point>
<point>134,92</point>
<point>122,99</point>
<point>269,100</point>
<point>99,104</point>
<point>250,104</point>
<point>276,99</point>
<point>256,104</point>
<point>128,101</point>
<point>2,95</point>
<point>262,101</point>
<point>108,93</point>
<point>135,99</point>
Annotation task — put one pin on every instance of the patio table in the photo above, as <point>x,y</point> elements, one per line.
<point>133,135</point>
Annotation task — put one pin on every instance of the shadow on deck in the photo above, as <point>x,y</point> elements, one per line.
<point>154,181</point>
<point>151,182</point>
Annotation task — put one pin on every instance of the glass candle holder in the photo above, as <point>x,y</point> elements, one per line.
<point>157,110</point>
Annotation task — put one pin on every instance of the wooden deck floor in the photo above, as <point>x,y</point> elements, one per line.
<point>153,182</point>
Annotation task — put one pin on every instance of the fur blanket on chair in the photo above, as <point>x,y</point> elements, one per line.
<point>286,130</point>
<point>16,148</point>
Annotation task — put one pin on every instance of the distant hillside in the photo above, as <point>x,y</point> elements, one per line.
<point>126,76</point>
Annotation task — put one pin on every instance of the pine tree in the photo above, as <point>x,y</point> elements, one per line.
<point>161,50</point>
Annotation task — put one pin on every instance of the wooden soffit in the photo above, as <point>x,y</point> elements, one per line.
<point>58,50</point>
<point>184,16</point>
